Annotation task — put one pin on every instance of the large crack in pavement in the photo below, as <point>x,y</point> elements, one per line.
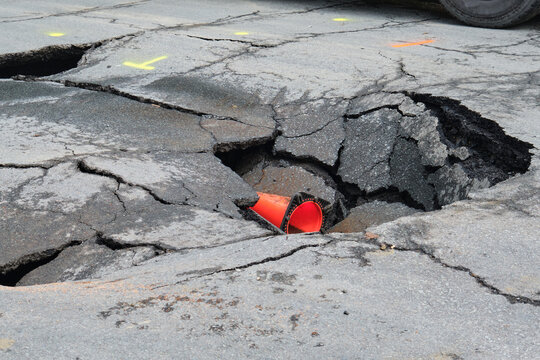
<point>112,244</point>
<point>264,258</point>
<point>83,167</point>
<point>12,273</point>
<point>513,299</point>
<point>52,59</point>
<point>207,119</point>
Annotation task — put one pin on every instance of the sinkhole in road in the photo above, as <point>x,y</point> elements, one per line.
<point>418,154</point>
<point>46,61</point>
<point>398,158</point>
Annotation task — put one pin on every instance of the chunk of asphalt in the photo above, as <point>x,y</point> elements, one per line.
<point>371,214</point>
<point>147,222</point>
<point>369,102</point>
<point>423,128</point>
<point>209,96</point>
<point>408,107</point>
<point>289,180</point>
<point>230,134</point>
<point>369,143</point>
<point>321,146</point>
<point>453,184</point>
<point>408,174</point>
<point>305,118</point>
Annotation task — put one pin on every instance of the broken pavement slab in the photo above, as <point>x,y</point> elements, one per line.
<point>198,179</point>
<point>230,134</point>
<point>287,180</point>
<point>173,227</point>
<point>63,206</point>
<point>368,145</point>
<point>322,146</point>
<point>42,212</point>
<point>60,122</point>
<point>181,90</point>
<point>311,129</point>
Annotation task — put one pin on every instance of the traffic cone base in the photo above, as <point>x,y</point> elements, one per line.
<point>306,217</point>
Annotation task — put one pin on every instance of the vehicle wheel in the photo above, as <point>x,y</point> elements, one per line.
<point>492,13</point>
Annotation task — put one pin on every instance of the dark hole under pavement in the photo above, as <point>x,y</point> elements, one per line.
<point>479,155</point>
<point>43,62</point>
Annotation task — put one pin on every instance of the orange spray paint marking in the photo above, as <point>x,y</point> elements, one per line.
<point>414,43</point>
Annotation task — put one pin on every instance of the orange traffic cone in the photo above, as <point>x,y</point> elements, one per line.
<point>301,213</point>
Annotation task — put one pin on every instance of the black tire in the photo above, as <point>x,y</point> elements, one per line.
<point>492,13</point>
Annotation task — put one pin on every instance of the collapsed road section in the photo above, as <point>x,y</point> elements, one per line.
<point>140,183</point>
<point>406,152</point>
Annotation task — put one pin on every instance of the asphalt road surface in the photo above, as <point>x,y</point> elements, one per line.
<point>134,135</point>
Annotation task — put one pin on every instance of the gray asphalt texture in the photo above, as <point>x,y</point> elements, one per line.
<point>124,179</point>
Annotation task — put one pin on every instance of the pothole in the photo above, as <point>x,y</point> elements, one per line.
<point>46,61</point>
<point>418,153</point>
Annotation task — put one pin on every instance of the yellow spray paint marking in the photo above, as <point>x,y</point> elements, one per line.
<point>55,34</point>
<point>241,33</point>
<point>145,64</point>
<point>340,19</point>
<point>413,43</point>
<point>6,343</point>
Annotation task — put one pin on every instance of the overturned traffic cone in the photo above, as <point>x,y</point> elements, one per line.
<point>301,213</point>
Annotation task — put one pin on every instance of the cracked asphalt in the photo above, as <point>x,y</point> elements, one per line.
<point>134,135</point>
